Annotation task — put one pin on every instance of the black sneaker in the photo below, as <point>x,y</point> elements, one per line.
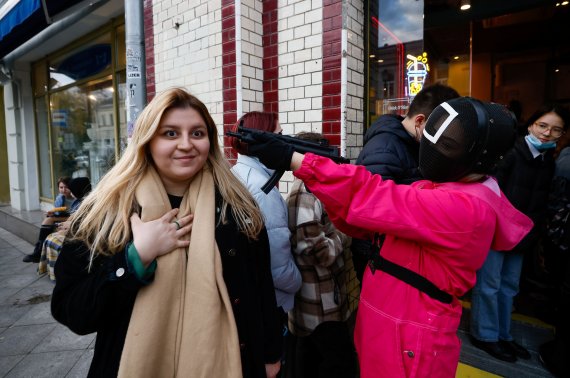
<point>495,349</point>
<point>31,258</point>
<point>517,349</point>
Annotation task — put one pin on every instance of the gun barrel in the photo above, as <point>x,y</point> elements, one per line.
<point>321,148</point>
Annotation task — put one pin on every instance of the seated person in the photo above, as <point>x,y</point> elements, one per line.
<point>58,214</point>
<point>79,188</point>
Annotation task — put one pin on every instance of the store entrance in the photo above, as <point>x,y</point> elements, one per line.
<point>511,52</point>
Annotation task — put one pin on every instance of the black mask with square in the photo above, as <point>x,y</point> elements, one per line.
<point>464,136</point>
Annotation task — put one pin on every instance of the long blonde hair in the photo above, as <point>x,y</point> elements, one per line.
<point>102,221</point>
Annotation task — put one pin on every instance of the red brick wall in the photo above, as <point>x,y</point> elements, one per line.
<point>270,65</point>
<point>270,57</point>
<point>149,50</point>
<point>332,28</point>
<point>229,71</point>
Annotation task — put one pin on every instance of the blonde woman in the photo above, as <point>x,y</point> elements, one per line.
<point>168,259</point>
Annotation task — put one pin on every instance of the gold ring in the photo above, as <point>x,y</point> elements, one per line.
<point>178,227</point>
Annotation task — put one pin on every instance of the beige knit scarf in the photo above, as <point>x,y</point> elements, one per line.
<point>182,324</point>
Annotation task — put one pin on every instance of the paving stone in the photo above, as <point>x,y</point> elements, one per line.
<point>9,314</point>
<point>7,363</point>
<point>81,368</point>
<point>53,364</point>
<point>6,293</point>
<point>61,339</point>
<point>22,340</point>
<point>31,295</point>
<point>38,314</point>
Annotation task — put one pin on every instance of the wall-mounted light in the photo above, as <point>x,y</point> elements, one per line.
<point>464,5</point>
<point>556,70</point>
<point>456,57</point>
<point>380,60</point>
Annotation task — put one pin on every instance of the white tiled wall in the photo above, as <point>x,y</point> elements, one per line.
<point>300,65</point>
<point>188,49</point>
<point>354,25</point>
<point>251,56</point>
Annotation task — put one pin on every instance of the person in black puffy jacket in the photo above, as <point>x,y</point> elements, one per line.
<point>391,147</point>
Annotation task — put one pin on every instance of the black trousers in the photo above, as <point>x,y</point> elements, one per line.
<point>327,352</point>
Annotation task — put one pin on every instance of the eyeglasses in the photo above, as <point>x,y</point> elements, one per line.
<point>555,131</point>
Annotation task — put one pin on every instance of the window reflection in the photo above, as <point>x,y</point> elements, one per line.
<point>80,63</point>
<point>399,22</point>
<point>396,34</point>
<point>83,131</point>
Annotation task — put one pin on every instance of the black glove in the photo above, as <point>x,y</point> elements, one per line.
<point>271,151</point>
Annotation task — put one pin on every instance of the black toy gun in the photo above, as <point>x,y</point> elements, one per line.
<point>320,148</point>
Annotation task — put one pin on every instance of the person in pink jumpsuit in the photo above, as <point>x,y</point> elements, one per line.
<point>440,228</point>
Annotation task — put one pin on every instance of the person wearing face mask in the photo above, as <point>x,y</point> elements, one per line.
<point>438,232</point>
<point>524,176</point>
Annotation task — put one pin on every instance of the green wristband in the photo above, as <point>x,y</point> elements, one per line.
<point>135,260</point>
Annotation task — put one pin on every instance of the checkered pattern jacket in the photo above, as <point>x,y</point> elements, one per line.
<point>318,249</point>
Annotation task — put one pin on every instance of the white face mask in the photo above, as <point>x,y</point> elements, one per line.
<point>541,146</point>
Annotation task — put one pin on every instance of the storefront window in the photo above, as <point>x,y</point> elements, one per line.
<point>88,60</point>
<point>78,130</point>
<point>398,67</point>
<point>508,52</point>
<point>83,132</point>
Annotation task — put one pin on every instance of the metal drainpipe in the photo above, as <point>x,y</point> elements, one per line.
<point>136,83</point>
<point>54,29</point>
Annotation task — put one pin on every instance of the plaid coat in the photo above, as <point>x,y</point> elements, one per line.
<point>318,249</point>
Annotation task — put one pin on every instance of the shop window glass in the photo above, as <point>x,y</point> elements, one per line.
<point>90,59</point>
<point>398,67</point>
<point>78,138</point>
<point>46,186</point>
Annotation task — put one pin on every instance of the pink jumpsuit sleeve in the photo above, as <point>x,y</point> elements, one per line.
<point>360,204</point>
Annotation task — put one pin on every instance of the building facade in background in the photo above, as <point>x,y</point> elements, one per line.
<point>329,66</point>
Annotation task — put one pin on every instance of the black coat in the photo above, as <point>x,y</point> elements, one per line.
<point>101,302</point>
<point>390,151</point>
<point>526,182</point>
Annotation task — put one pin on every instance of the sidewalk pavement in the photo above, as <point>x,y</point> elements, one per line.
<point>32,343</point>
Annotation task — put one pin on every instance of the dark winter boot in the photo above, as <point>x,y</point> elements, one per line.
<point>35,256</point>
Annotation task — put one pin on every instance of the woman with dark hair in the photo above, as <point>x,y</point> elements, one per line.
<point>253,174</point>
<point>58,214</point>
<point>168,261</point>
<point>438,232</point>
<point>79,188</point>
<point>525,176</point>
